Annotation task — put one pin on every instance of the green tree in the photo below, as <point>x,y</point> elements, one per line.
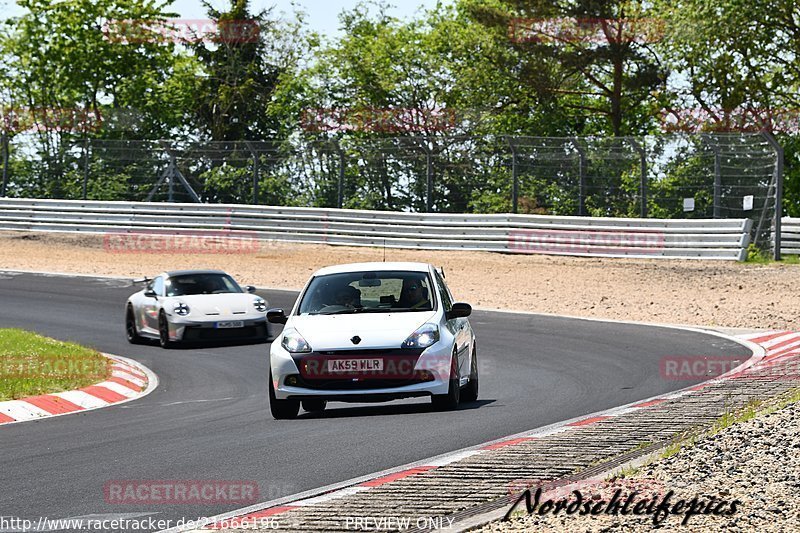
<point>738,67</point>
<point>590,60</point>
<point>244,65</point>
<point>72,70</point>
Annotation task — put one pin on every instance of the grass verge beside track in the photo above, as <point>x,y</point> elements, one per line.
<point>31,364</point>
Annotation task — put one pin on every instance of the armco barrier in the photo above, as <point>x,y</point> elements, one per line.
<point>581,236</point>
<point>790,236</point>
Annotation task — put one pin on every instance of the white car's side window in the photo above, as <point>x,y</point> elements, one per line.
<point>158,286</point>
<point>447,299</point>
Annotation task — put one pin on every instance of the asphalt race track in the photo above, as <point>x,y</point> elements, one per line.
<point>209,418</point>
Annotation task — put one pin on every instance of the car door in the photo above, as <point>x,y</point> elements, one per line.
<point>151,305</point>
<point>458,326</point>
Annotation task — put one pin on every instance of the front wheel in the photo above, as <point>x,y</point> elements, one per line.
<point>449,401</point>
<point>281,409</point>
<point>470,392</point>
<point>163,331</point>
<point>130,327</point>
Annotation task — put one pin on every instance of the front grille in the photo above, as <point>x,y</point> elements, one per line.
<point>349,384</point>
<point>398,370</point>
<point>247,332</point>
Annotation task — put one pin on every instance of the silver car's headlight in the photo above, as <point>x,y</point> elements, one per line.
<point>426,335</point>
<point>293,342</point>
<point>181,309</point>
<point>260,304</point>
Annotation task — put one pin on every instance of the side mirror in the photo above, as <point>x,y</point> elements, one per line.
<point>250,289</point>
<point>150,293</point>
<point>459,310</point>
<point>276,316</point>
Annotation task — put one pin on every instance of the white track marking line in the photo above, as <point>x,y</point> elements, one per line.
<point>349,491</point>
<point>751,336</point>
<point>452,458</point>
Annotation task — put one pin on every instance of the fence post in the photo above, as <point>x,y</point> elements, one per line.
<point>254,153</point>
<point>5,165</point>
<point>86,146</point>
<point>171,179</point>
<point>582,176</point>
<point>717,182</point>
<point>514,176</point>
<point>340,191</point>
<point>643,183</point>
<point>429,180</point>
<point>428,172</point>
<point>778,177</point>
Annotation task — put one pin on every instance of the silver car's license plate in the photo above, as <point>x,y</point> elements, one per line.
<point>231,324</point>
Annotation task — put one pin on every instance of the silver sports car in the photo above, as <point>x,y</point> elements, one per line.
<point>195,305</point>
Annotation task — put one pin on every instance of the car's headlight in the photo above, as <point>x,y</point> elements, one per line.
<point>293,342</point>
<point>260,304</point>
<point>426,335</point>
<point>181,309</point>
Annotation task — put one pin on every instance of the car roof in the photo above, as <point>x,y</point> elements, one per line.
<point>373,266</point>
<point>174,273</point>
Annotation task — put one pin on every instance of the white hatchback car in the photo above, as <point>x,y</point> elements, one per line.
<point>195,305</point>
<point>372,332</point>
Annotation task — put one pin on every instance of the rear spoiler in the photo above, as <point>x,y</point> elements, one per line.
<point>143,280</point>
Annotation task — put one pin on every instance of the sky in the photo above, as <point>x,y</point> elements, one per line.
<point>323,15</point>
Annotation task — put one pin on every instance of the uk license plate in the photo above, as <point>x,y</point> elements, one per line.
<point>230,324</point>
<point>354,365</point>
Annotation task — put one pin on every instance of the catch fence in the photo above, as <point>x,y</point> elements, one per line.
<point>686,176</point>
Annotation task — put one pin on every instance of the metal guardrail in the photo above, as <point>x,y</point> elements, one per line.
<point>579,236</point>
<point>790,236</point>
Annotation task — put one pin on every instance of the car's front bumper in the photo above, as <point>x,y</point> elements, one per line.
<point>428,374</point>
<point>186,329</point>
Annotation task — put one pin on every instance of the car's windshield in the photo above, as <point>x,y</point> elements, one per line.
<point>191,284</point>
<point>368,292</point>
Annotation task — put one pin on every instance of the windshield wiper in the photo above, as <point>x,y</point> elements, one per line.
<point>354,310</point>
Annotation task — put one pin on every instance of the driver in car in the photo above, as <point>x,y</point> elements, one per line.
<point>348,297</point>
<point>413,295</point>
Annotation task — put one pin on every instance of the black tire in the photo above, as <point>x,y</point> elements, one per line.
<point>314,406</point>
<point>282,409</point>
<point>449,401</point>
<point>470,392</point>
<point>163,332</point>
<point>130,327</point>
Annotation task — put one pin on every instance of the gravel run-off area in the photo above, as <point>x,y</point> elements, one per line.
<point>706,293</point>
<point>756,462</point>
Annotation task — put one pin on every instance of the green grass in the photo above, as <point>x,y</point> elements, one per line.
<point>31,364</point>
<point>754,409</point>
<point>761,257</point>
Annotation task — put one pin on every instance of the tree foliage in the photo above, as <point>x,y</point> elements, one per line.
<point>435,95</point>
